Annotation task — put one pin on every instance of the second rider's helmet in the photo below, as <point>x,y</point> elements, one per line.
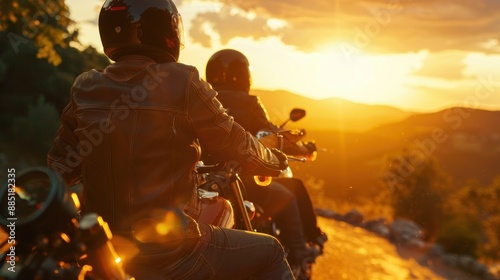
<point>229,70</point>
<point>152,28</point>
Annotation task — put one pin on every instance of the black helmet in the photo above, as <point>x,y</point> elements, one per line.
<point>228,69</point>
<point>152,28</point>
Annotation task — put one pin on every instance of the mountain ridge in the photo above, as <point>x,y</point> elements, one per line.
<point>356,140</point>
<point>329,114</point>
<point>352,163</point>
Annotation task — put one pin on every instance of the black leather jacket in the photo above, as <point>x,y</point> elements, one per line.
<point>133,134</point>
<point>250,113</point>
<point>247,110</point>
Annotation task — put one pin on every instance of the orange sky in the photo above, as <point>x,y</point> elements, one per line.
<point>420,55</point>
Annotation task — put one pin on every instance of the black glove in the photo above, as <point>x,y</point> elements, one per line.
<point>310,146</point>
<point>281,157</point>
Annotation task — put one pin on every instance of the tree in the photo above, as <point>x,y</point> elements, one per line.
<point>38,65</point>
<point>46,23</point>
<point>478,205</point>
<point>34,132</point>
<point>417,189</point>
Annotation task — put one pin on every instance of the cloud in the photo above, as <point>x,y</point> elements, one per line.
<point>447,65</point>
<point>373,26</point>
<point>240,25</point>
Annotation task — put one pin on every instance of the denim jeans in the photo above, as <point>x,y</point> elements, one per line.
<point>307,212</point>
<point>226,254</point>
<point>282,205</point>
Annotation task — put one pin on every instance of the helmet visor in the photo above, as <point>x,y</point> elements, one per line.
<point>178,28</point>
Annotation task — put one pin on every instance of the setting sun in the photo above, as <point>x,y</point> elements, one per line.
<point>342,75</point>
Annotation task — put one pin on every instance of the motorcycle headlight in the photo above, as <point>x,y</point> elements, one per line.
<point>35,200</point>
<point>262,181</point>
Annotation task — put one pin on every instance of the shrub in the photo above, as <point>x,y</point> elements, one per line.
<point>460,236</point>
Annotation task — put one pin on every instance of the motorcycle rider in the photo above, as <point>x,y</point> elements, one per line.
<point>134,132</point>
<point>228,71</point>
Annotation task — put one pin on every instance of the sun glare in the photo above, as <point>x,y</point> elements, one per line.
<point>345,76</point>
<point>330,72</point>
<point>380,79</point>
<point>349,76</point>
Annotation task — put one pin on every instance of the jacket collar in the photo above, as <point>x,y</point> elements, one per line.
<point>127,66</point>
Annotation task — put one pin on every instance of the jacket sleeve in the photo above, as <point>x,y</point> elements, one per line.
<point>260,116</point>
<point>63,156</point>
<point>221,137</point>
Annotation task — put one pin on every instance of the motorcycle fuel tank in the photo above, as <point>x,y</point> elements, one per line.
<point>216,211</point>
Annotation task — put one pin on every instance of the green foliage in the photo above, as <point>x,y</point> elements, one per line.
<point>479,205</point>
<point>460,236</point>
<point>37,68</point>
<point>34,132</point>
<point>3,71</point>
<point>417,189</point>
<point>74,61</point>
<point>46,23</point>
<point>466,221</point>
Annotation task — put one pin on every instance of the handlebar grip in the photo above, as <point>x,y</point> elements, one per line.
<point>201,169</point>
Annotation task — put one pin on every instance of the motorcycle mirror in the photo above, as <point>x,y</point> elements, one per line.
<point>295,115</point>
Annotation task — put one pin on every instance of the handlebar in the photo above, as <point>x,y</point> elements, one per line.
<point>202,168</point>
<point>292,158</point>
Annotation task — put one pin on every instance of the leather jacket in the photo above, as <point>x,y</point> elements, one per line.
<point>134,134</point>
<point>250,112</point>
<point>247,110</point>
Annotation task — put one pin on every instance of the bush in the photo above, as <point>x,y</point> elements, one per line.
<point>34,132</point>
<point>459,236</point>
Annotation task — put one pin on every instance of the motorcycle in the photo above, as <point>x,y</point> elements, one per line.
<point>46,238</point>
<point>290,142</point>
<point>220,200</point>
<point>221,188</point>
<point>64,245</point>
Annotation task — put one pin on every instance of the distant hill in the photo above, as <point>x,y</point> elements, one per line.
<point>329,114</point>
<point>355,140</point>
<point>466,143</point>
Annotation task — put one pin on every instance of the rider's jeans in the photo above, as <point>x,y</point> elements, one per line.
<point>228,254</point>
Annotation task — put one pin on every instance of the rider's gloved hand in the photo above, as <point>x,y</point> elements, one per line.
<point>293,135</point>
<point>281,157</point>
<point>310,146</point>
<point>312,151</point>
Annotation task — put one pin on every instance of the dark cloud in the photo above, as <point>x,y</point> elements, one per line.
<point>373,26</point>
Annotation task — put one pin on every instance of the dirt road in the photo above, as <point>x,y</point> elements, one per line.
<point>356,254</point>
